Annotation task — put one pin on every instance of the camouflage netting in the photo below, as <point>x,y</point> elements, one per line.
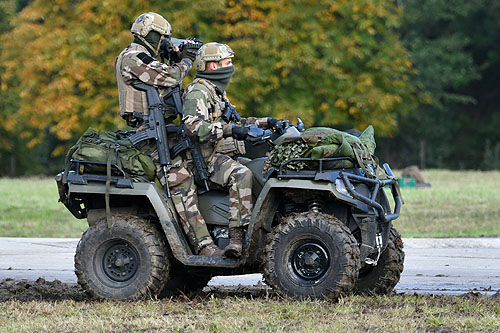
<point>323,142</point>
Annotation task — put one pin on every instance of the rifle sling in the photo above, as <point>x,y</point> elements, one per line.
<point>217,146</point>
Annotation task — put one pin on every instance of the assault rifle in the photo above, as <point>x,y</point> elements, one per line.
<point>201,176</point>
<point>169,44</point>
<point>230,114</point>
<point>157,130</point>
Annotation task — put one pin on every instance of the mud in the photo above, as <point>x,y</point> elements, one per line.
<point>52,291</point>
<point>40,290</point>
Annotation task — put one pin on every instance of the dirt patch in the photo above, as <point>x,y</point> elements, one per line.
<point>40,290</point>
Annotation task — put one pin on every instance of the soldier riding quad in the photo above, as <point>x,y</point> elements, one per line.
<point>318,232</point>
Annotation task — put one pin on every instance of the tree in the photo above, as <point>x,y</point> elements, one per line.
<point>330,63</point>
<point>456,57</point>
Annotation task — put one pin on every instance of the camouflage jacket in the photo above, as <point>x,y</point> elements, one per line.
<point>135,63</point>
<point>202,114</point>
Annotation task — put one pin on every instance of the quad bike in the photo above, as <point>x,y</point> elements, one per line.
<point>316,233</point>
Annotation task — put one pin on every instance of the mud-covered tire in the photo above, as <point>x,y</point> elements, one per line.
<point>183,282</point>
<point>381,279</point>
<point>128,262</point>
<point>311,255</point>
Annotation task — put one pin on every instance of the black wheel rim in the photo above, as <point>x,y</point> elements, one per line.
<point>120,261</point>
<point>310,262</point>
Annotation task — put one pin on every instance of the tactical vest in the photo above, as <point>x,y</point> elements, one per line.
<point>130,98</point>
<point>217,104</point>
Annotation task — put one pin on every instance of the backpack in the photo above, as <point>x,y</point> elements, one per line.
<point>114,148</point>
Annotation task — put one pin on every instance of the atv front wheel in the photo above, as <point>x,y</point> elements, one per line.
<point>381,279</point>
<point>311,255</point>
<point>127,262</point>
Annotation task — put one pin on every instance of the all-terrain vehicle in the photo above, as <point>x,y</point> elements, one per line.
<point>314,233</point>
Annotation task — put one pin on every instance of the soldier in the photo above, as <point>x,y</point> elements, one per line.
<point>138,62</point>
<point>204,102</point>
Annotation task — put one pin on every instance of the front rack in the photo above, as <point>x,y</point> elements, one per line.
<point>283,173</point>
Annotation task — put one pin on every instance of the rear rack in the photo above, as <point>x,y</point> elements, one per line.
<point>72,176</point>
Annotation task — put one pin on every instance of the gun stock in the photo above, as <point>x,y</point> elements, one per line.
<point>156,130</point>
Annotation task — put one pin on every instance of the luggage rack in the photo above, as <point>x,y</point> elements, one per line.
<point>121,181</point>
<point>282,173</point>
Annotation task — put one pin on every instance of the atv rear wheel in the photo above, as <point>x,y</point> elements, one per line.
<point>381,279</point>
<point>128,262</point>
<point>311,255</point>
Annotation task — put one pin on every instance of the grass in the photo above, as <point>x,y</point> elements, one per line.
<point>231,314</point>
<point>459,204</point>
<point>29,208</point>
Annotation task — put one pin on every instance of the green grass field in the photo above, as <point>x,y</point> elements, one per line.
<point>459,204</point>
<point>235,314</point>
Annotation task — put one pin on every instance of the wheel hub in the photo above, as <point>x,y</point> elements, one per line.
<point>310,261</point>
<point>120,262</point>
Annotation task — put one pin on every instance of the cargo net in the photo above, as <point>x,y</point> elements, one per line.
<point>324,142</point>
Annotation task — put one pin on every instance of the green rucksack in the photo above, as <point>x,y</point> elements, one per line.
<point>114,148</point>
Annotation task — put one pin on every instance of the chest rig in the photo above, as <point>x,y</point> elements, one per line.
<point>217,105</point>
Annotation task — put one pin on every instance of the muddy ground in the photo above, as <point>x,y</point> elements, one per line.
<point>42,290</point>
<point>50,291</point>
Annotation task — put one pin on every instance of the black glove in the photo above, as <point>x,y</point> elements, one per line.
<point>239,132</point>
<point>189,50</point>
<point>271,122</point>
<point>278,125</point>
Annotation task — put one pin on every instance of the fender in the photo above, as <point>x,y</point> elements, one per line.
<point>268,200</point>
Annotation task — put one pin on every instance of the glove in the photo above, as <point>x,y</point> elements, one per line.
<point>278,125</point>
<point>271,122</point>
<point>189,50</point>
<point>239,132</point>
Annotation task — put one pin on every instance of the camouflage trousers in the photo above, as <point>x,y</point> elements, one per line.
<point>183,194</point>
<point>227,173</point>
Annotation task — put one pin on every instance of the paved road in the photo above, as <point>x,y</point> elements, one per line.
<point>451,265</point>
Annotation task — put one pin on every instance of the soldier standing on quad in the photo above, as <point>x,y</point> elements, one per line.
<point>204,102</point>
<point>137,62</point>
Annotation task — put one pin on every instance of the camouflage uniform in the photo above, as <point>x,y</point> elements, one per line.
<point>136,63</point>
<point>183,192</point>
<point>202,115</point>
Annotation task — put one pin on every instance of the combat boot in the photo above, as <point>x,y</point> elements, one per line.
<point>211,250</point>
<point>233,250</point>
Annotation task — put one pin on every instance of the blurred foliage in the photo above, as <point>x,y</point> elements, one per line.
<point>456,55</point>
<point>425,73</point>
<point>337,63</point>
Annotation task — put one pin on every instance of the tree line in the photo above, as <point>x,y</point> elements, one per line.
<point>423,73</point>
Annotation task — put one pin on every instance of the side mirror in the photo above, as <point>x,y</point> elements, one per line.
<point>300,125</point>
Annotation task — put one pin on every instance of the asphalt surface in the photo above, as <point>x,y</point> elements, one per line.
<point>432,265</point>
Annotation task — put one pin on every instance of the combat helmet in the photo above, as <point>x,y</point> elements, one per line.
<point>148,22</point>
<point>212,52</point>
